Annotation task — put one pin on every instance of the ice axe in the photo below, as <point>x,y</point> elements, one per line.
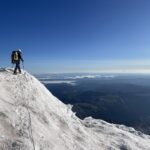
<point>23,64</point>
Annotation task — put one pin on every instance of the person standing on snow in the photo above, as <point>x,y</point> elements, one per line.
<point>16,57</point>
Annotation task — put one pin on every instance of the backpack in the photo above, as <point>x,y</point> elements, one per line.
<point>14,57</point>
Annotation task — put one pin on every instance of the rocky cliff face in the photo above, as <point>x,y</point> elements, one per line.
<point>31,118</point>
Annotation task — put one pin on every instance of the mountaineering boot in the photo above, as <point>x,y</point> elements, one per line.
<point>15,72</point>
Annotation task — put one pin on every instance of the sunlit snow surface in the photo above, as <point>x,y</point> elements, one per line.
<point>31,118</point>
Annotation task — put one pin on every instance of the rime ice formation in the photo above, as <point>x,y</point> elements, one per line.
<point>31,118</point>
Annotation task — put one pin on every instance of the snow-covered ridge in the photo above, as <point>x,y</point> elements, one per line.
<point>31,118</point>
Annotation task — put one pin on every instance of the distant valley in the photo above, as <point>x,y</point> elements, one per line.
<point>121,99</point>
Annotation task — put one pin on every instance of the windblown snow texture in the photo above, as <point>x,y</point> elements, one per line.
<point>31,118</point>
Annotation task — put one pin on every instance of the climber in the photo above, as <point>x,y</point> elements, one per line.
<point>15,58</point>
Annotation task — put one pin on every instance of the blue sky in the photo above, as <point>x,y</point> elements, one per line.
<point>76,35</point>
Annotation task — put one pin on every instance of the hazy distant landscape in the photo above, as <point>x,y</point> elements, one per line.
<point>117,98</point>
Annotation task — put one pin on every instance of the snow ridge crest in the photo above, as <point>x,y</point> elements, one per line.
<point>31,118</point>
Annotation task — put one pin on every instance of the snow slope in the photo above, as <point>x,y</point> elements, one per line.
<point>31,118</point>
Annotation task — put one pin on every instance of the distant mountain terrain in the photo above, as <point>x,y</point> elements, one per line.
<point>122,99</point>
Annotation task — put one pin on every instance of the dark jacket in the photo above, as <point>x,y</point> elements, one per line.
<point>20,56</point>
